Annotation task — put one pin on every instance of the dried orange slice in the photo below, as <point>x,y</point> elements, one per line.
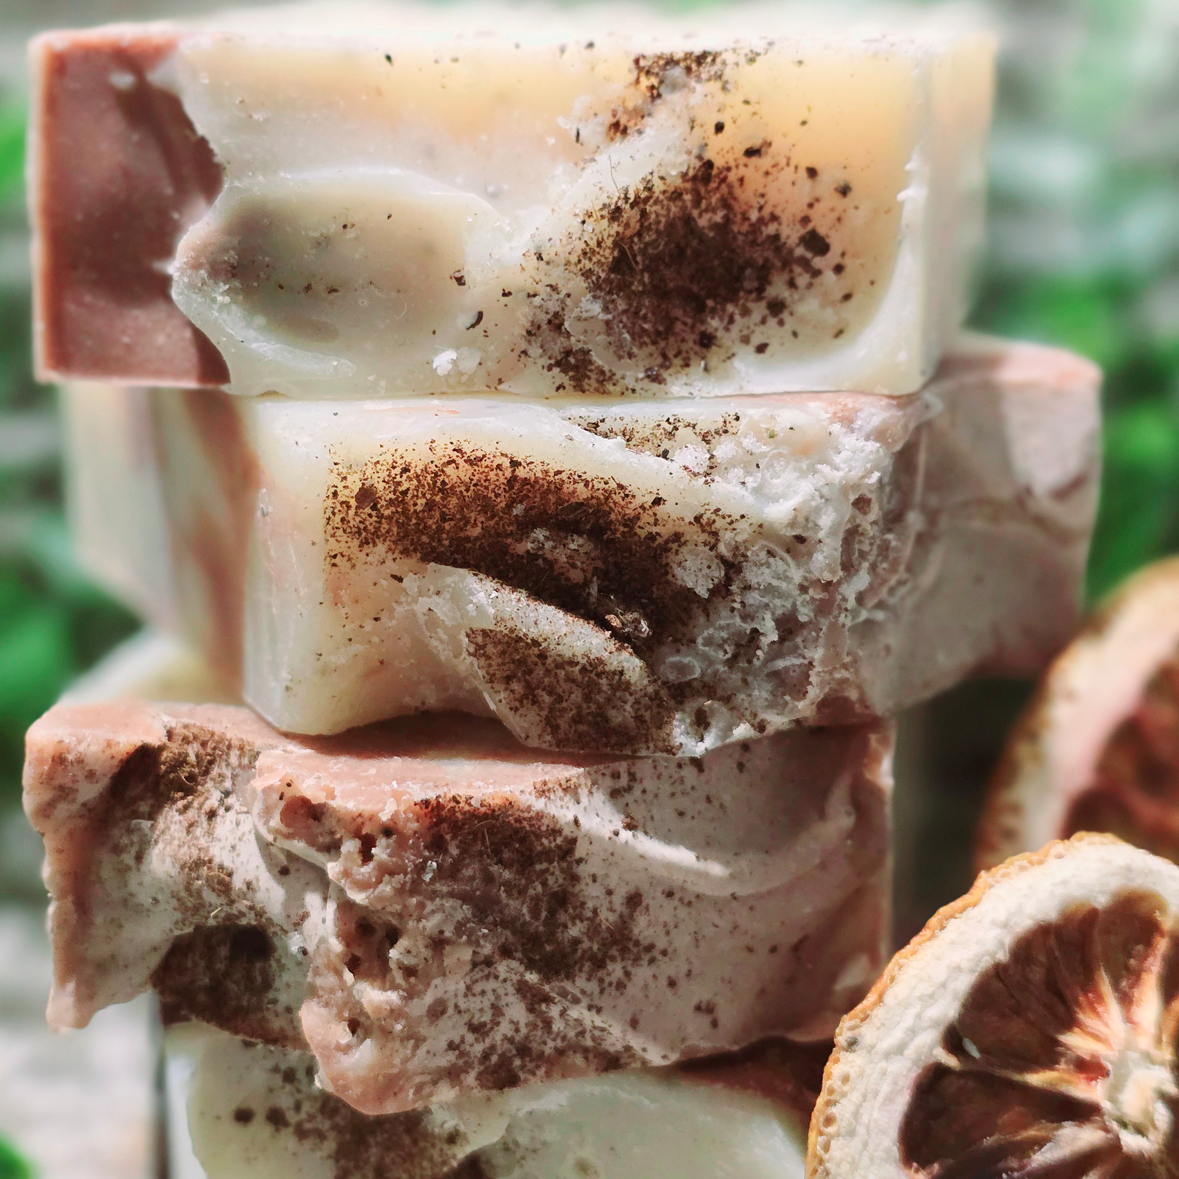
<point>1097,749</point>
<point>1028,1032</point>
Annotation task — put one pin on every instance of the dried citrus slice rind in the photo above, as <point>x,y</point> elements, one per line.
<point>1028,1032</point>
<point>1097,749</point>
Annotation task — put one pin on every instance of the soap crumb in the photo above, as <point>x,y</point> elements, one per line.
<point>444,361</point>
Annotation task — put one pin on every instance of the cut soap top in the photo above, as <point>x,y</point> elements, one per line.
<point>389,200</point>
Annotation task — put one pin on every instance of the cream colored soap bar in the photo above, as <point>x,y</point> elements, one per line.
<point>640,576</point>
<point>240,1111</point>
<point>431,909</point>
<point>587,201</point>
<point>151,666</point>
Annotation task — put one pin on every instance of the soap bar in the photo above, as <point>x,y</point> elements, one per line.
<point>242,1110</point>
<point>431,909</point>
<point>641,576</point>
<point>394,200</point>
<point>150,665</point>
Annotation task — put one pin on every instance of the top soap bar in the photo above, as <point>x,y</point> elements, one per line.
<point>341,202</point>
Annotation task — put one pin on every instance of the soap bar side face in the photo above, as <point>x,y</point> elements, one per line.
<point>115,499</point>
<point>673,580</point>
<point>648,214</point>
<point>632,576</point>
<point>151,665</point>
<point>961,87</point>
<point>432,909</point>
<point>376,214</point>
<point>117,174</point>
<point>255,1110</point>
<point>1011,473</point>
<point>162,507</point>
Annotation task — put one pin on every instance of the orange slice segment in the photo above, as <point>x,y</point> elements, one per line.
<point>1097,749</point>
<point>1028,1032</point>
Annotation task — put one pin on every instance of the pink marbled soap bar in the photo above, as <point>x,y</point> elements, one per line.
<point>432,909</point>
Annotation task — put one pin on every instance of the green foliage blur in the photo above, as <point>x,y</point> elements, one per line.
<point>13,1164</point>
<point>1083,252</point>
<point>1084,242</point>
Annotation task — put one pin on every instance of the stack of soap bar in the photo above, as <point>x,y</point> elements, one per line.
<point>368,203</point>
<point>638,576</point>
<point>553,436</point>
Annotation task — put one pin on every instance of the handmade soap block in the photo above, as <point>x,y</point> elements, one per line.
<point>397,200</point>
<point>638,576</point>
<point>150,666</point>
<point>432,909</point>
<point>237,1109</point>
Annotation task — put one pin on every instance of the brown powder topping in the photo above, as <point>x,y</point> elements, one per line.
<point>356,1145</point>
<point>687,263</point>
<point>165,795</point>
<point>521,912</point>
<point>366,1147</point>
<point>654,71</point>
<point>657,74</point>
<point>225,976</point>
<point>678,259</point>
<point>657,435</point>
<point>576,362</point>
<point>530,680</point>
<point>683,604</point>
<point>518,872</point>
<point>585,543</point>
<point>167,801</point>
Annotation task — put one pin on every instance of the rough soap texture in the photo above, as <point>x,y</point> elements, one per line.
<point>638,577</point>
<point>432,909</point>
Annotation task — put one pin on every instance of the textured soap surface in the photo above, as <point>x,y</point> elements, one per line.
<point>408,200</point>
<point>238,1109</point>
<point>646,576</point>
<point>432,909</point>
